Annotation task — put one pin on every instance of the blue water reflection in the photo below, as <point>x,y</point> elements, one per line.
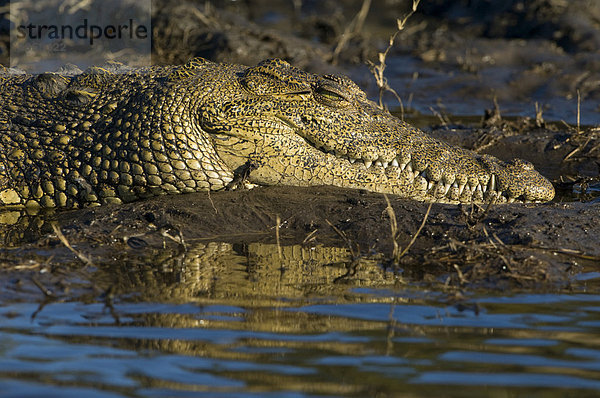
<point>515,342</point>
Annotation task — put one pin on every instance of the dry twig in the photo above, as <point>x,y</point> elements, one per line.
<point>397,254</point>
<point>414,238</point>
<point>277,225</point>
<point>85,259</point>
<point>377,70</point>
<point>351,30</point>
<point>354,253</point>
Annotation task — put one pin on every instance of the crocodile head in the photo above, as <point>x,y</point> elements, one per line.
<point>301,129</point>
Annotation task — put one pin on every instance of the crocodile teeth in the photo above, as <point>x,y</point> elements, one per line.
<point>447,188</point>
<point>492,183</point>
<point>441,187</point>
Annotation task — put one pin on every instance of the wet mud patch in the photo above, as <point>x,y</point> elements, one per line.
<point>320,235</point>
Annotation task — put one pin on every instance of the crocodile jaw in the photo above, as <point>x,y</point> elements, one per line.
<point>460,176</point>
<point>297,128</point>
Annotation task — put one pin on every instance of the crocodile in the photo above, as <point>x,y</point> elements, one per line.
<point>116,134</point>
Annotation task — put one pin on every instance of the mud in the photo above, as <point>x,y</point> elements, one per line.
<point>501,247</point>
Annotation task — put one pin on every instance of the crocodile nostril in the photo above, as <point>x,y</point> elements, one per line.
<point>521,164</point>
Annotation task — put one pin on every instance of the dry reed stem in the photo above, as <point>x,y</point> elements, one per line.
<point>85,259</point>
<point>396,254</point>
<point>539,118</point>
<point>578,111</point>
<point>578,131</point>
<point>461,276</point>
<point>444,120</point>
<point>378,70</point>
<point>579,148</point>
<point>341,234</point>
<point>310,236</point>
<point>277,224</point>
<point>393,227</point>
<point>414,238</point>
<point>212,203</point>
<point>353,28</point>
<point>47,292</point>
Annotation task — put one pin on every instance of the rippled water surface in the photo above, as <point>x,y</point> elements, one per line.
<point>255,320</point>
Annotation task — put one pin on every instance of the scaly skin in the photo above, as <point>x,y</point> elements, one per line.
<point>79,139</point>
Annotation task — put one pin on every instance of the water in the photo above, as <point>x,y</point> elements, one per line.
<point>455,93</point>
<point>253,320</point>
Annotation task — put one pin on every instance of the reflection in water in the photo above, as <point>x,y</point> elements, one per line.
<point>257,273</point>
<point>20,225</point>
<point>254,318</point>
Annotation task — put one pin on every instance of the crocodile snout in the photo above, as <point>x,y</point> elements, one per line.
<point>521,181</point>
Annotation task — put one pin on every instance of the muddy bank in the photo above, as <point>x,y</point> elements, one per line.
<point>535,246</point>
<point>502,247</point>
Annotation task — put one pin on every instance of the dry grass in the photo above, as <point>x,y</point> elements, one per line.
<point>486,261</point>
<point>397,254</point>
<point>85,259</point>
<point>580,134</point>
<point>277,226</point>
<point>353,29</point>
<point>378,70</point>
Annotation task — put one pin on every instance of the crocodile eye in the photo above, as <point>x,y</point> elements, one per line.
<point>330,96</point>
